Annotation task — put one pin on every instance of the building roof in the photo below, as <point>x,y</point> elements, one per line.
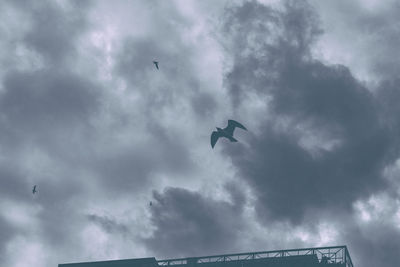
<point>142,262</point>
<point>321,256</point>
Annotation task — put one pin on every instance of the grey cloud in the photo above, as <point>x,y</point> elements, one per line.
<point>60,96</point>
<point>261,38</point>
<point>290,183</point>
<point>44,110</point>
<point>12,183</point>
<point>203,104</point>
<point>388,96</point>
<point>130,169</point>
<point>134,63</point>
<point>372,244</point>
<point>55,29</point>
<point>159,91</point>
<point>369,30</point>
<point>305,90</point>
<point>110,225</point>
<point>45,106</point>
<point>59,111</point>
<point>175,80</point>
<point>194,224</point>
<point>6,234</point>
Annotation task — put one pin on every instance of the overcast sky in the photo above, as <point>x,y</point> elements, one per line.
<point>86,116</point>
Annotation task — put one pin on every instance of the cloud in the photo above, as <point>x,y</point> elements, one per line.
<point>366,24</point>
<point>85,115</point>
<point>47,97</point>
<point>307,95</point>
<point>54,30</point>
<point>108,224</point>
<point>195,224</point>
<point>7,232</point>
<point>45,105</point>
<point>93,127</point>
<point>296,176</point>
<point>373,230</point>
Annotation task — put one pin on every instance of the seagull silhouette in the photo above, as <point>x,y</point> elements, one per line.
<point>227,132</point>
<point>34,190</point>
<point>156,63</point>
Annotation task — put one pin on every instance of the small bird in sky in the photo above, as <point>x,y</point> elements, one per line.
<point>151,204</point>
<point>226,132</point>
<point>156,63</point>
<point>34,189</point>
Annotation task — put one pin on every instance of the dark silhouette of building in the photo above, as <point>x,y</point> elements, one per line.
<point>306,257</point>
<point>143,262</point>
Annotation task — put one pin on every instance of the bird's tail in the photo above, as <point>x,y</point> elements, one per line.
<point>232,139</point>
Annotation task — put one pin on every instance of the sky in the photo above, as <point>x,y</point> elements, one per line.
<point>86,116</point>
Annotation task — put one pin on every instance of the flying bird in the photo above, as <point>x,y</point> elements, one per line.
<point>151,203</point>
<point>156,63</point>
<point>34,189</point>
<point>227,132</point>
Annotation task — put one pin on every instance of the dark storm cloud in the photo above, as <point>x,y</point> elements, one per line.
<point>261,38</point>
<point>189,224</point>
<point>307,92</point>
<point>288,180</point>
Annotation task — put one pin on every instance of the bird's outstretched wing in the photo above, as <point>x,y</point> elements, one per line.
<point>232,125</point>
<point>214,138</point>
<point>156,63</point>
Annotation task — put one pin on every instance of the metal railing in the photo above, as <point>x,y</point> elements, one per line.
<point>337,254</point>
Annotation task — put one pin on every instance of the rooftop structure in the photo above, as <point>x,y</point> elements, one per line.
<point>337,256</point>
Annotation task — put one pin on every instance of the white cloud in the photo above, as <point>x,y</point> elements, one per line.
<point>25,252</point>
<point>22,215</point>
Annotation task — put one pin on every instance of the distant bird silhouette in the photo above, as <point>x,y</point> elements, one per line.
<point>34,190</point>
<point>151,204</point>
<point>156,63</point>
<point>226,132</point>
